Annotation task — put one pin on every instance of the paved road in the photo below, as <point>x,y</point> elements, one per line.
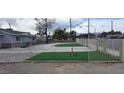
<point>20,54</point>
<point>62,68</point>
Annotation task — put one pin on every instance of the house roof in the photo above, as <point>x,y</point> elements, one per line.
<point>14,32</point>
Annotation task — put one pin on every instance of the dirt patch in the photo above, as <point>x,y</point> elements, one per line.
<point>62,68</point>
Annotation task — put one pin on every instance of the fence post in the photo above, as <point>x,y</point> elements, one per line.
<point>105,45</point>
<point>122,50</point>
<point>83,42</point>
<point>97,44</point>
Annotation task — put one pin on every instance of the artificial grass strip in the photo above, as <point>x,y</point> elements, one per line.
<point>96,56</point>
<point>69,45</point>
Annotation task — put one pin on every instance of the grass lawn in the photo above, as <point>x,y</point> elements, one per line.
<point>76,56</point>
<point>70,44</point>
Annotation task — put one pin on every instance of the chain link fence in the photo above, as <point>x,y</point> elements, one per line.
<point>111,49</point>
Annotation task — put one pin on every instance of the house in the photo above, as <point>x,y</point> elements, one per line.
<point>1,35</point>
<point>90,36</point>
<point>41,37</point>
<point>12,38</point>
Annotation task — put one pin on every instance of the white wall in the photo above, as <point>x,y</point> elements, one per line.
<point>12,39</point>
<point>25,39</point>
<point>111,46</point>
<point>33,41</point>
<point>9,39</point>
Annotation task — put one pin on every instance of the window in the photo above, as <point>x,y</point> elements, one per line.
<point>17,38</point>
<point>33,38</point>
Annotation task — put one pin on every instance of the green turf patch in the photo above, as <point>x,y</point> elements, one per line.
<point>76,56</point>
<point>74,44</point>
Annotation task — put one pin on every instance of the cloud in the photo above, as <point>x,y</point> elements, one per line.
<point>65,23</point>
<point>101,25</point>
<point>20,24</point>
<point>26,25</point>
<point>78,24</point>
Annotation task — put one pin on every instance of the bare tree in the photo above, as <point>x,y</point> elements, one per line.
<point>43,24</point>
<point>11,22</point>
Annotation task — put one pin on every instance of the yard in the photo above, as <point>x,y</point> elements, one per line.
<point>83,56</point>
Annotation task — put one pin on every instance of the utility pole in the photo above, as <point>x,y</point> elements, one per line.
<point>88,32</point>
<point>88,37</point>
<point>70,28</point>
<point>112,26</point>
<point>46,30</point>
<point>72,52</point>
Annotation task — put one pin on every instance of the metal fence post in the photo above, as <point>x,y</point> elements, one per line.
<point>105,46</point>
<point>97,45</point>
<point>122,51</point>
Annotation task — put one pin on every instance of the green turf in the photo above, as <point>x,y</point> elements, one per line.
<point>76,56</point>
<point>74,44</point>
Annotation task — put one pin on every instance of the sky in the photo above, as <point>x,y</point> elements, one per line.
<point>78,24</point>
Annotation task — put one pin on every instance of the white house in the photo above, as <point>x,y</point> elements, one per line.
<point>1,35</point>
<point>11,38</point>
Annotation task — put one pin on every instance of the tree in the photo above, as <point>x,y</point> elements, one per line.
<point>118,32</point>
<point>60,34</point>
<point>43,24</point>
<point>103,34</point>
<point>110,33</point>
<point>73,35</point>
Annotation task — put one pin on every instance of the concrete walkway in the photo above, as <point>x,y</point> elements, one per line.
<point>21,54</point>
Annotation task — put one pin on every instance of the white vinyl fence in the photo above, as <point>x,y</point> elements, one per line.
<point>114,47</point>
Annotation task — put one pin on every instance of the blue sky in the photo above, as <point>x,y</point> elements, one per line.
<point>78,24</point>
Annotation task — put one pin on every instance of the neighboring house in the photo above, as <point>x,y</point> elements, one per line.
<point>41,37</point>
<point>116,36</point>
<point>1,35</point>
<point>11,38</point>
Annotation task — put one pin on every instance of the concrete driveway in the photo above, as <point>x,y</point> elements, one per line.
<point>21,54</point>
